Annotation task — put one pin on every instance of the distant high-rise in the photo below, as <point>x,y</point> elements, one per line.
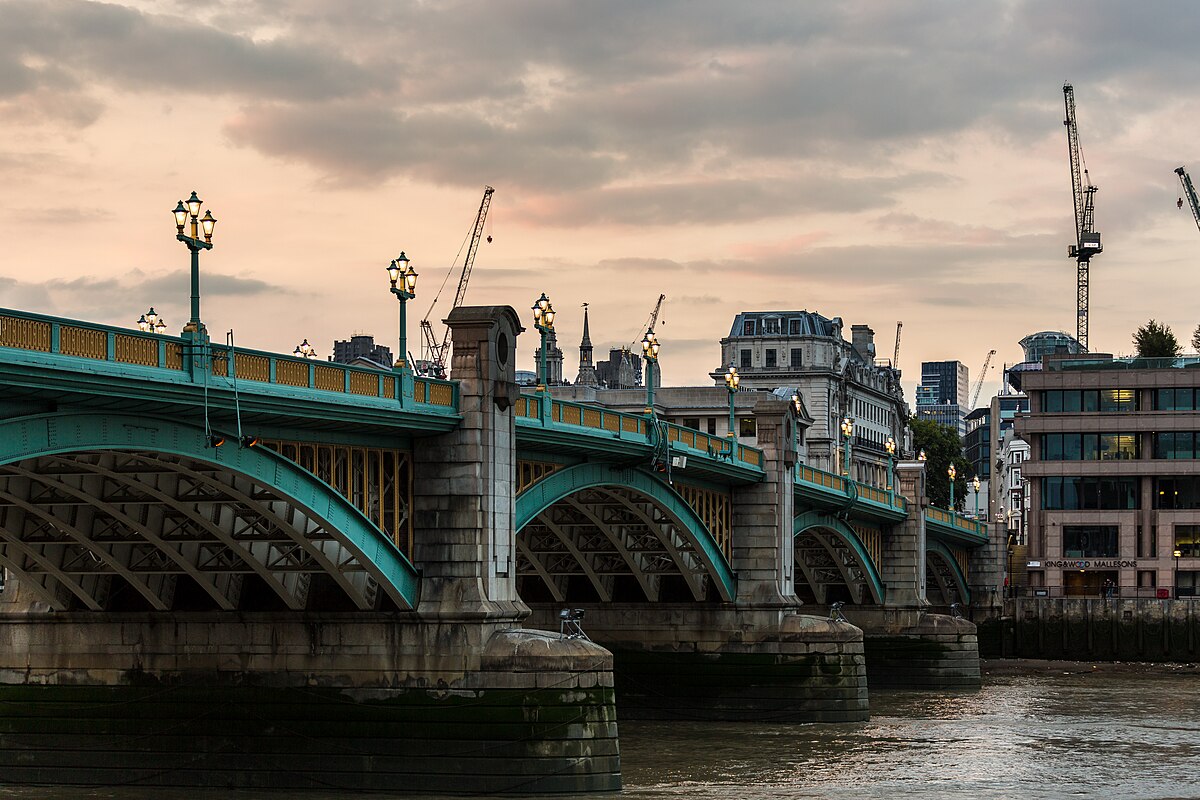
<point>944,393</point>
<point>361,346</point>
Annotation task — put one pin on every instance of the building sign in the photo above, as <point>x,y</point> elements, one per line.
<point>1095,563</point>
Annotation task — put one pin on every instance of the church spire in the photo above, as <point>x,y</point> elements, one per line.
<point>587,369</point>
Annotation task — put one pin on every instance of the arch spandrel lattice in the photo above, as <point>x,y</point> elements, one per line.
<point>613,528</point>
<point>834,562</point>
<point>95,504</point>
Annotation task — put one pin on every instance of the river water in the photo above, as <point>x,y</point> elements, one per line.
<point>1061,732</point>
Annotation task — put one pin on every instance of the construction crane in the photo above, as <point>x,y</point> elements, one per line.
<point>437,352</point>
<point>896,353</point>
<point>987,362</point>
<point>652,320</point>
<point>1190,193</point>
<point>1087,240</point>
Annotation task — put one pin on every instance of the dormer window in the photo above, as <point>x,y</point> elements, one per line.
<point>795,327</point>
<point>748,327</point>
<point>771,326</point>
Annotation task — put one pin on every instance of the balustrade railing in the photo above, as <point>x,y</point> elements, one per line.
<point>838,483</point>
<point>941,515</point>
<point>38,333</point>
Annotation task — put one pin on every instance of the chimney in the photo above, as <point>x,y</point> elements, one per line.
<point>863,340</point>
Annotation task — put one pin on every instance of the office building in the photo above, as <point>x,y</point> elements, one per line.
<point>944,394</point>
<point>362,349</point>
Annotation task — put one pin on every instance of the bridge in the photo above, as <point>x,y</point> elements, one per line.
<point>200,515</point>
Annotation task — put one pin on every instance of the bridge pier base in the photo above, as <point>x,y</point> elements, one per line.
<point>765,664</point>
<point>313,701</point>
<point>914,649</point>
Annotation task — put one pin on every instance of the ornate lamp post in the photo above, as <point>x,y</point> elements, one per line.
<point>650,354</point>
<point>543,320</point>
<point>404,285</point>
<point>305,350</point>
<point>732,380</point>
<point>847,432</point>
<point>975,485</point>
<point>953,473</point>
<point>890,445</point>
<point>151,322</point>
<point>921,456</point>
<point>183,213</point>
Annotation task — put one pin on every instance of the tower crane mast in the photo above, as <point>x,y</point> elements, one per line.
<point>987,362</point>
<point>1087,240</point>
<point>896,353</point>
<point>438,351</point>
<point>1190,192</point>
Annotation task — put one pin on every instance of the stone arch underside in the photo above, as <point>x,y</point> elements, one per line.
<point>833,564</point>
<point>137,528</point>
<point>613,543</point>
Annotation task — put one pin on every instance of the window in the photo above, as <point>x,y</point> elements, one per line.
<point>1175,399</point>
<point>769,360</point>
<point>1187,540</point>
<point>1076,400</point>
<point>1177,492</point>
<point>1015,478</point>
<point>747,428</point>
<point>771,326</point>
<point>1089,446</point>
<point>797,357</point>
<point>1090,541</point>
<point>691,422</point>
<point>1089,494</point>
<point>712,425</point>
<point>745,360</point>
<point>748,327</point>
<point>1176,445</point>
<point>795,327</point>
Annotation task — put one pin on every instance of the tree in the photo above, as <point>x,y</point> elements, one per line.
<point>1154,340</point>
<point>942,448</point>
<point>1196,339</point>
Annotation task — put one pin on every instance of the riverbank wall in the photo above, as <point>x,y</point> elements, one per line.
<point>1094,629</point>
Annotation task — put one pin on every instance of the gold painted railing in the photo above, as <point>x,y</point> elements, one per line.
<point>945,517</point>
<point>52,335</point>
<point>624,425</point>
<point>814,476</point>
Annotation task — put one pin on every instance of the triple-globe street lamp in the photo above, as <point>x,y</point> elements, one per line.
<point>890,446</point>
<point>847,427</point>
<point>305,350</point>
<point>953,473</point>
<point>650,354</point>
<point>185,212</point>
<point>732,381</point>
<point>543,321</point>
<point>404,285</point>
<point>151,322</point>
<point>975,484</point>
<point>1177,553</point>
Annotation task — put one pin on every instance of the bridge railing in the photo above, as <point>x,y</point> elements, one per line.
<point>633,427</point>
<point>812,476</point>
<point>44,334</point>
<point>957,522</point>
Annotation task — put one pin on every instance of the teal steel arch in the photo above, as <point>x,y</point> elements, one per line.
<point>563,483</point>
<point>48,435</point>
<point>955,570</point>
<point>847,536</point>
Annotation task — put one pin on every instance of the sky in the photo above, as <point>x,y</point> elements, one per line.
<point>876,161</point>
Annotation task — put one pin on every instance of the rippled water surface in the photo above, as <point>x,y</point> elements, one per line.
<point>1077,734</point>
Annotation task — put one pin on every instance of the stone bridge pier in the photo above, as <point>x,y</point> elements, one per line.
<point>907,645</point>
<point>757,657</point>
<point>339,679</point>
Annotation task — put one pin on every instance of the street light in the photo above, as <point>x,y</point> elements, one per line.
<point>975,485</point>
<point>847,432</point>
<point>305,350</point>
<point>650,353</point>
<point>732,380</point>
<point>184,213</point>
<point>921,456</point>
<point>151,322</point>
<point>543,320</point>
<point>953,473</point>
<point>890,445</point>
<point>1175,577</point>
<point>404,285</point>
